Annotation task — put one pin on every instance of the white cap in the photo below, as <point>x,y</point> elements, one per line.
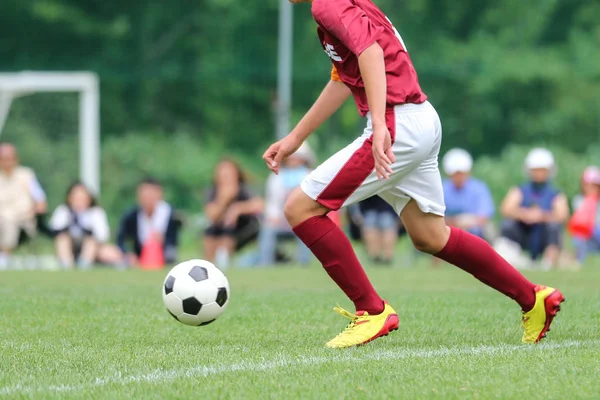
<point>305,153</point>
<point>457,160</point>
<point>539,158</point>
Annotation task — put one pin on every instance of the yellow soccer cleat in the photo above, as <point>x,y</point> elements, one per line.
<point>364,328</point>
<point>536,322</point>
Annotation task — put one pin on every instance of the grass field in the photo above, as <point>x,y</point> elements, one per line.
<point>104,334</point>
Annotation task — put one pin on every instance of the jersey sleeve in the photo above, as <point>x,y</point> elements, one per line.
<point>348,23</point>
<point>335,76</point>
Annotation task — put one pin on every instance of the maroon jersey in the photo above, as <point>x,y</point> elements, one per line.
<point>349,27</point>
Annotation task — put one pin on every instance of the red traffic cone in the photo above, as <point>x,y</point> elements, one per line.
<point>152,256</point>
<point>582,222</point>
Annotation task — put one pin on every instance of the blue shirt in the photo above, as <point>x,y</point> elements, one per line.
<point>473,198</point>
<point>540,195</point>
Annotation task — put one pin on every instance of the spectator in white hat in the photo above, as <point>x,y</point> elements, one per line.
<point>469,203</point>
<point>275,226</point>
<point>536,211</point>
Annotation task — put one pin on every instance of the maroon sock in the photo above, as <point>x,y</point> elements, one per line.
<point>331,246</point>
<point>474,255</point>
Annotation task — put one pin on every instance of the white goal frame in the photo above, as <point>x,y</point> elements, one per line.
<point>14,85</point>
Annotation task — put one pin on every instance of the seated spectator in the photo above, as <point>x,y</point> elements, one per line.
<point>233,213</point>
<point>536,211</point>
<point>21,200</point>
<point>588,242</point>
<point>82,232</point>
<point>152,216</point>
<point>355,221</point>
<point>275,226</point>
<point>469,203</point>
<point>379,229</point>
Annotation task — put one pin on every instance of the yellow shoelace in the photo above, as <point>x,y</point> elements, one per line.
<point>347,314</point>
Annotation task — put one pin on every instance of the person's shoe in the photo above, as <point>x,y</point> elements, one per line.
<point>536,322</point>
<point>364,328</point>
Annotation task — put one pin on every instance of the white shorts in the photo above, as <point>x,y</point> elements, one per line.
<point>348,176</point>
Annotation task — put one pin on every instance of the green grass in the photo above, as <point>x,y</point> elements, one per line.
<point>105,335</point>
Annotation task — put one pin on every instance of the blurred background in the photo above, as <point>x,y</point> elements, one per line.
<point>183,85</point>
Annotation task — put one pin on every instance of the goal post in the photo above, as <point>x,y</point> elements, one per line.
<point>13,85</point>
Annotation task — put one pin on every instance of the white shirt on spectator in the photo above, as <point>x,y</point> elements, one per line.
<point>279,187</point>
<point>93,219</point>
<point>35,189</point>
<point>158,222</point>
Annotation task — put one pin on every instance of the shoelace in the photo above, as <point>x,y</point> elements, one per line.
<point>347,314</point>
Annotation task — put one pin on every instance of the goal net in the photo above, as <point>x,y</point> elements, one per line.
<point>53,119</point>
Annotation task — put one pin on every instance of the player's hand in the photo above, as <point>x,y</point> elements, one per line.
<point>382,152</point>
<point>279,151</point>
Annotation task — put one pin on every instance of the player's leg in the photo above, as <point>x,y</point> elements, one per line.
<point>333,249</point>
<point>374,318</point>
<point>418,198</point>
<point>346,178</point>
<point>474,255</point>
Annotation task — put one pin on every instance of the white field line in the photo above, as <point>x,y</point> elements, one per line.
<point>287,362</point>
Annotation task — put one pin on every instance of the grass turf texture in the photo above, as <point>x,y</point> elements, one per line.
<point>105,334</point>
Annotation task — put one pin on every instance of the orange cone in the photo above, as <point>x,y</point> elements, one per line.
<point>581,224</point>
<point>152,256</point>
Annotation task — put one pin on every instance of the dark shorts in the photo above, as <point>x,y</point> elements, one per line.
<point>533,238</point>
<point>245,230</point>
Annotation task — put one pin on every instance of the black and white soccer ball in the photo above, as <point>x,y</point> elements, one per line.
<point>196,292</point>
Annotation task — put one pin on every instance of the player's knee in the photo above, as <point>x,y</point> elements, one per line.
<point>294,207</point>
<point>430,242</point>
<point>299,207</point>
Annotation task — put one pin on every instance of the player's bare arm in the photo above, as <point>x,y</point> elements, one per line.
<point>330,100</point>
<point>372,67</point>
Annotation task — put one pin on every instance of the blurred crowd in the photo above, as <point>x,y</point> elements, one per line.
<point>534,216</point>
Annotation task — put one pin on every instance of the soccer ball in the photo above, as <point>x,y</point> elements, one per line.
<point>196,292</point>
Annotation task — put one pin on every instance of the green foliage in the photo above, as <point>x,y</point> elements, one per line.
<point>499,72</point>
<point>185,84</point>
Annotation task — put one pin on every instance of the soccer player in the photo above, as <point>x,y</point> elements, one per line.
<point>395,158</point>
